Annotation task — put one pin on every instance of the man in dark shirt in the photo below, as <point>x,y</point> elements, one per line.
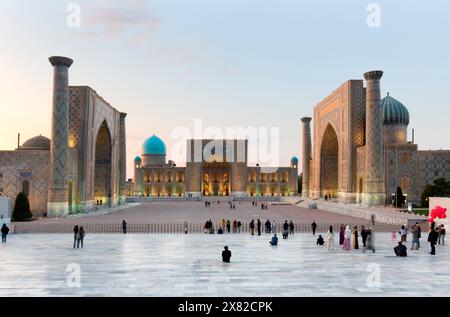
<point>226,255</point>
<point>432,238</point>
<point>400,250</point>
<point>320,240</point>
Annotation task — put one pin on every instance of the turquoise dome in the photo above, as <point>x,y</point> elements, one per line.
<point>138,159</point>
<point>294,160</point>
<point>394,112</point>
<point>153,146</point>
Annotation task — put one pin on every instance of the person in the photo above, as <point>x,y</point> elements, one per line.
<point>393,236</point>
<point>442,235</point>
<point>420,234</point>
<point>5,231</point>
<point>267,226</point>
<point>400,250</point>
<point>314,227</point>
<point>228,226</point>
<point>341,235</point>
<point>370,242</point>
<point>124,226</point>
<point>355,238</point>
<point>330,239</point>
<point>373,219</point>
<point>234,226</point>
<point>75,233</point>
<point>252,227</point>
<point>432,238</point>
<point>347,238</point>
<point>274,240</point>
<point>220,231</point>
<point>415,237</point>
<point>239,225</point>
<point>402,233</point>
<point>223,223</point>
<point>285,229</point>
<point>80,237</point>
<point>291,227</point>
<point>258,224</point>
<point>274,226</point>
<point>206,226</point>
<point>226,255</point>
<point>211,227</point>
<point>364,236</point>
<point>320,240</point>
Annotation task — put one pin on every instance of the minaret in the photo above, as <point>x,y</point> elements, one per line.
<point>58,193</point>
<point>122,159</point>
<point>374,190</point>
<point>306,155</point>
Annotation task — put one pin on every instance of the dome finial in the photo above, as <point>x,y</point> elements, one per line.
<point>388,93</point>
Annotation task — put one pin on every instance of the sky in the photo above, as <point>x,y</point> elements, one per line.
<point>233,63</point>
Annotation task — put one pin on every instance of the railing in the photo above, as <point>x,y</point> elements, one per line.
<point>179,227</point>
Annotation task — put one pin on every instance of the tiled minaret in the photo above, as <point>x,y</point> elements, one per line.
<point>58,193</point>
<point>374,189</point>
<point>306,155</point>
<point>122,159</point>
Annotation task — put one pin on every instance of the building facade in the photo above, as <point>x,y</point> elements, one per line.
<point>213,168</point>
<point>82,166</point>
<point>360,152</point>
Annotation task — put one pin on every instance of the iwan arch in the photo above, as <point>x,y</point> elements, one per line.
<point>360,153</point>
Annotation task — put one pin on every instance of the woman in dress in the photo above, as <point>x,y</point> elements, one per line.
<point>330,239</point>
<point>347,238</point>
<point>341,235</point>
<point>355,238</point>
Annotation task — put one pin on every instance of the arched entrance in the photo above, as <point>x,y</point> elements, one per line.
<point>103,155</point>
<point>329,165</point>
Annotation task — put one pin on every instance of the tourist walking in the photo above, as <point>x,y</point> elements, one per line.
<point>442,235</point>
<point>226,255</point>
<point>267,226</point>
<point>274,226</point>
<point>75,233</point>
<point>330,239</point>
<point>228,226</point>
<point>432,238</point>
<point>420,234</point>
<point>364,236</point>
<point>285,229</point>
<point>291,227</point>
<point>341,234</point>
<point>355,238</point>
<point>314,227</point>
<point>239,225</point>
<point>5,231</point>
<point>223,223</point>
<point>124,226</point>
<point>252,227</point>
<point>258,224</point>
<point>80,237</point>
<point>274,240</point>
<point>347,238</point>
<point>370,242</point>
<point>234,226</point>
<point>415,237</point>
<point>402,233</point>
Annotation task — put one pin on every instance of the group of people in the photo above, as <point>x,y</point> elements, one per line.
<point>78,236</point>
<point>348,238</point>
<point>234,227</point>
<point>232,205</point>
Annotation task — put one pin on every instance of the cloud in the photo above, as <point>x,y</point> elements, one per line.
<point>112,20</point>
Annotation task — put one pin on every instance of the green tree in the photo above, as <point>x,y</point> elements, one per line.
<point>439,188</point>
<point>399,198</point>
<point>427,192</point>
<point>21,210</point>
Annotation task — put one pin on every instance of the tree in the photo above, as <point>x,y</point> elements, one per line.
<point>21,210</point>
<point>439,188</point>
<point>399,198</point>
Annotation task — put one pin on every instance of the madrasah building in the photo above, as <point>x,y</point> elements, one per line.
<point>359,150</point>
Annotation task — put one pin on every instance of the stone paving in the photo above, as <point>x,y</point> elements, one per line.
<point>190,265</point>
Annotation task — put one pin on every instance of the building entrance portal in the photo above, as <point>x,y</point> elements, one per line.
<point>329,163</point>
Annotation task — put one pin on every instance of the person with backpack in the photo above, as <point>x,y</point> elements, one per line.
<point>5,231</point>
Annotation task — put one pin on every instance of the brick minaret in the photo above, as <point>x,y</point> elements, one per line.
<point>58,193</point>
<point>122,159</point>
<point>306,155</point>
<point>374,189</point>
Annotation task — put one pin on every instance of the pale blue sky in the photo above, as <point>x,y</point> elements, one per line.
<point>230,63</point>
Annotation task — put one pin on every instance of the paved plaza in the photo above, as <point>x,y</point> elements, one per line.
<point>190,265</point>
<point>194,211</point>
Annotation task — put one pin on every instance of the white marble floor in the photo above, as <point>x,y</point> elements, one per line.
<point>190,265</point>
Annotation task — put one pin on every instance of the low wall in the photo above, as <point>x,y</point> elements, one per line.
<point>5,210</point>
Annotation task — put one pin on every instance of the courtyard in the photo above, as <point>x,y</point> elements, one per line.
<point>190,265</point>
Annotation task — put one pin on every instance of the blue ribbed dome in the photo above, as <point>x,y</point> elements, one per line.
<point>138,159</point>
<point>153,146</point>
<point>294,160</point>
<point>394,112</point>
